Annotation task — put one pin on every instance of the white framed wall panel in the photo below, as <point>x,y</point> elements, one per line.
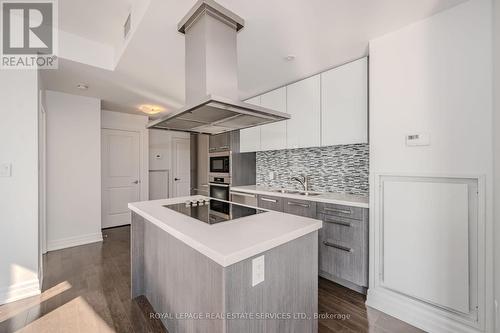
<point>427,250</point>
<point>344,104</point>
<point>438,212</point>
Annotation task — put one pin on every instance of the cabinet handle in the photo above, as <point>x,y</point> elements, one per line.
<point>268,200</point>
<point>219,185</point>
<point>338,210</point>
<point>291,203</point>
<point>345,224</point>
<point>243,194</point>
<point>336,246</point>
<point>224,147</point>
<point>212,149</point>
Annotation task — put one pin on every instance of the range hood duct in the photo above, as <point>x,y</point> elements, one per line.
<point>212,104</point>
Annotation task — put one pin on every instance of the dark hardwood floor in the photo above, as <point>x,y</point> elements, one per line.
<point>87,289</point>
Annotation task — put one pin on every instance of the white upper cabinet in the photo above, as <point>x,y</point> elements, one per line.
<point>344,104</point>
<point>327,109</point>
<point>273,136</point>
<point>250,137</point>
<point>304,106</point>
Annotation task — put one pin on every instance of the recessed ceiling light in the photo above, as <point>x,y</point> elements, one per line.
<point>290,57</point>
<point>151,109</point>
<point>82,86</point>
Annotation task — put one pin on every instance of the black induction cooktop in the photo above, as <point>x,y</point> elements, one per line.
<point>213,211</point>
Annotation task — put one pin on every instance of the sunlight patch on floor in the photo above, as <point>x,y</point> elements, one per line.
<point>75,316</point>
<point>12,309</point>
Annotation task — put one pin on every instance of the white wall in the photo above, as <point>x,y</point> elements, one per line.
<point>73,170</point>
<point>496,131</point>
<point>114,120</point>
<point>435,76</point>
<point>19,193</point>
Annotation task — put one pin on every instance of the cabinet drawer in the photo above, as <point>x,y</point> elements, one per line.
<point>343,261</point>
<point>300,207</point>
<point>271,203</point>
<point>341,210</point>
<point>346,231</point>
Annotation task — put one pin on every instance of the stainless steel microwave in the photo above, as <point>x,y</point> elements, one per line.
<point>220,163</point>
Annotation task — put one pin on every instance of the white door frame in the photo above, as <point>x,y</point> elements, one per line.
<point>42,183</point>
<point>144,160</point>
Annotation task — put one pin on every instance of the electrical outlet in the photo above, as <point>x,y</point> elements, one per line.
<point>5,170</point>
<point>258,265</point>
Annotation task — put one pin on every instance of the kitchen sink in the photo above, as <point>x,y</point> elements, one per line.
<point>286,191</point>
<point>309,194</point>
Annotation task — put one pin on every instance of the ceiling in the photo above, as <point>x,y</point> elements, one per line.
<point>98,20</point>
<point>320,34</point>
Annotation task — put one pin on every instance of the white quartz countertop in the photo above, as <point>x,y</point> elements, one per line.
<point>335,198</point>
<point>227,242</point>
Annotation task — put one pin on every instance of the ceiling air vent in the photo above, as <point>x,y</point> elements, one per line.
<point>126,27</point>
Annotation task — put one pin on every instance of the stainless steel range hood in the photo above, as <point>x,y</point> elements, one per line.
<point>212,104</point>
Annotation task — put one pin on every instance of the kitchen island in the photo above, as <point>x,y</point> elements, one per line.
<point>221,267</point>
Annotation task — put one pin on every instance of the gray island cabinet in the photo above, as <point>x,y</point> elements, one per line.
<point>201,278</point>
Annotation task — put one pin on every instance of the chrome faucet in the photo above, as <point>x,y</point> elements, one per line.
<point>304,181</point>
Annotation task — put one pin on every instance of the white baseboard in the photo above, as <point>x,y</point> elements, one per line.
<point>415,313</point>
<point>19,291</point>
<point>115,224</point>
<point>63,243</point>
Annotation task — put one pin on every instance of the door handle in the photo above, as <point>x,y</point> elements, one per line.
<point>135,182</point>
<point>176,179</point>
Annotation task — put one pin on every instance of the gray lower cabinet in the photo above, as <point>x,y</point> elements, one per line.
<point>300,207</point>
<point>271,202</point>
<point>343,240</point>
<point>343,245</point>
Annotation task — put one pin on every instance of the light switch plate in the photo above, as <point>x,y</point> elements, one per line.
<point>271,175</point>
<point>258,265</point>
<point>5,170</point>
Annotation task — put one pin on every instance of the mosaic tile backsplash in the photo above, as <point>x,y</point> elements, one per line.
<point>340,169</point>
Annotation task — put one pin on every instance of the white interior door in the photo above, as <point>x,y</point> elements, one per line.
<point>120,175</point>
<point>181,167</point>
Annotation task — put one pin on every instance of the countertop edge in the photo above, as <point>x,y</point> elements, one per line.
<point>299,197</point>
<point>229,260</point>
